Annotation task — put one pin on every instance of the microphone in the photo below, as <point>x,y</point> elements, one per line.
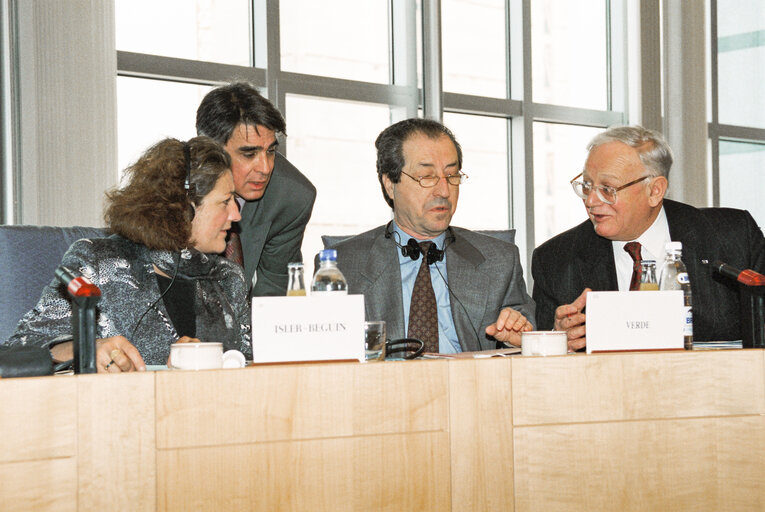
<point>747,277</point>
<point>77,285</point>
<point>85,295</point>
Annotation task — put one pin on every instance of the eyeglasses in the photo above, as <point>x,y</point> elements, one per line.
<point>431,181</point>
<point>605,193</point>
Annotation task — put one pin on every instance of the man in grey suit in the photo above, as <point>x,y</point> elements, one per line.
<point>276,200</point>
<point>477,280</point>
<point>623,184</point>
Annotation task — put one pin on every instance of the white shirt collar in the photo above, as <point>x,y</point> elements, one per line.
<point>652,241</point>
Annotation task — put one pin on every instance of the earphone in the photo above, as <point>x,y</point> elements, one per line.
<point>412,248</point>
<point>188,187</point>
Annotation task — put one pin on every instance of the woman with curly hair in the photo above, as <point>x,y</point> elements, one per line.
<point>160,274</point>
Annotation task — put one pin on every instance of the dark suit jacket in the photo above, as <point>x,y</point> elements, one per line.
<point>272,228</point>
<point>484,275</point>
<point>567,264</point>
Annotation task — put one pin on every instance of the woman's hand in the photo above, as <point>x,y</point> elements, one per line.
<point>117,354</point>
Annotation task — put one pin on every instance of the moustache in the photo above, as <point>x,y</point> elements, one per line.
<point>438,203</point>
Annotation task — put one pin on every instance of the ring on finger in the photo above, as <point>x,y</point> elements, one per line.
<point>109,364</point>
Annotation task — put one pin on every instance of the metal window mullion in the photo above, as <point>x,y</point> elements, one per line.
<point>432,85</point>
<point>9,116</point>
<point>402,53</point>
<point>714,125</point>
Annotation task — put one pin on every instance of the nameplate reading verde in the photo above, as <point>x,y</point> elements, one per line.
<point>648,320</point>
<point>307,328</point>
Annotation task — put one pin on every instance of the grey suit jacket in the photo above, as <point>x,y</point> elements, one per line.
<point>578,258</point>
<point>484,275</point>
<point>272,228</point>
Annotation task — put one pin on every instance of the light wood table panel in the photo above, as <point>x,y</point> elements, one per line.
<point>610,387</point>
<point>481,434</point>
<point>46,485</point>
<point>117,463</point>
<point>388,473</point>
<point>293,402</point>
<point>38,420</point>
<point>691,464</point>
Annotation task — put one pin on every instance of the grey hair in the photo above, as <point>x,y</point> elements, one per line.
<point>652,148</point>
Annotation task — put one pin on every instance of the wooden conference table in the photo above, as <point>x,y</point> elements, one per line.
<point>635,431</point>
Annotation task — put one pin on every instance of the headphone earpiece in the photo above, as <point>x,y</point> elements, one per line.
<point>412,250</point>
<point>187,186</point>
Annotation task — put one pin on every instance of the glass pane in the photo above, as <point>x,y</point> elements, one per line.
<point>471,64</point>
<point>337,38</point>
<point>332,143</point>
<point>150,110</point>
<point>559,154</point>
<point>569,53</point>
<point>208,30</point>
<point>742,178</point>
<point>484,197</point>
<point>741,62</point>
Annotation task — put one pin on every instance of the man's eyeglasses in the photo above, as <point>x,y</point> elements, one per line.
<point>431,181</point>
<point>605,193</point>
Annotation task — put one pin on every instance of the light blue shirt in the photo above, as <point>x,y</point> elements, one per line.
<point>447,334</point>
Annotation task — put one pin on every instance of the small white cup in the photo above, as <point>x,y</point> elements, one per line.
<point>203,356</point>
<point>544,343</point>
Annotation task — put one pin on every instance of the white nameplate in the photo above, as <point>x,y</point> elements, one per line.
<point>648,320</point>
<point>309,328</point>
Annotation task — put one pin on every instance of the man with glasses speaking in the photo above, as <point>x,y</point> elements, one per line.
<point>622,185</point>
<point>454,289</point>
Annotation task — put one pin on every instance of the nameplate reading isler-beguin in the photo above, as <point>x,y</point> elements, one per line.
<point>647,320</point>
<point>302,328</point>
<point>313,328</point>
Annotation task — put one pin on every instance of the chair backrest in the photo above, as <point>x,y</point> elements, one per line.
<point>29,255</point>
<point>507,235</point>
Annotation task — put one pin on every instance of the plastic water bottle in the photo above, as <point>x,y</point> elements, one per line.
<point>674,276</point>
<point>328,279</point>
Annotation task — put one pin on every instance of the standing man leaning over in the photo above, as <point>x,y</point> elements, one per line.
<point>623,184</point>
<point>276,200</point>
<point>403,268</point>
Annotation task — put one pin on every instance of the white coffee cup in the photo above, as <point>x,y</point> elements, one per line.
<point>544,343</point>
<point>204,356</point>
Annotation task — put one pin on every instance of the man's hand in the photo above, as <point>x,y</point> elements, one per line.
<point>117,354</point>
<point>508,327</point>
<point>569,318</point>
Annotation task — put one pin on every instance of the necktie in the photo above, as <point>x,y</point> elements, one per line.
<point>423,314</point>
<point>633,249</point>
<point>233,250</point>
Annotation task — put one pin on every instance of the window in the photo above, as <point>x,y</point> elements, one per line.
<point>737,126</point>
<point>207,30</point>
<point>340,83</point>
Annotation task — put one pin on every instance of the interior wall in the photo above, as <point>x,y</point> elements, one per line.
<point>68,110</point>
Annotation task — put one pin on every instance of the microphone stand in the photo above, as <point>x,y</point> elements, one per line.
<point>752,316</point>
<point>85,295</point>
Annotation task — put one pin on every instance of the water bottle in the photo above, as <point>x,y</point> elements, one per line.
<point>674,276</point>
<point>328,279</point>
<point>648,276</point>
<point>296,283</point>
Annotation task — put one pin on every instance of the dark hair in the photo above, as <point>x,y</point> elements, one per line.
<point>390,147</point>
<point>154,209</point>
<point>226,107</point>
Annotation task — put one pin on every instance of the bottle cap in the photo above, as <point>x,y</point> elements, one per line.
<point>328,254</point>
<point>673,246</point>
